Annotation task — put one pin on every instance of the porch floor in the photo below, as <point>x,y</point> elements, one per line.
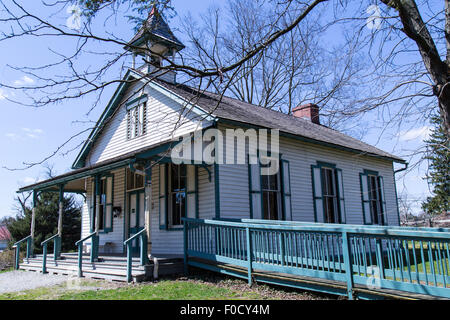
<point>108,267</point>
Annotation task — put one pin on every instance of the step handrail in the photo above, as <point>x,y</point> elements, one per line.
<point>142,235</point>
<point>431,233</point>
<point>56,250</point>
<point>16,246</point>
<point>94,250</point>
<point>347,226</point>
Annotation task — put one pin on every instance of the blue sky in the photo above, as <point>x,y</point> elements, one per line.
<point>29,134</point>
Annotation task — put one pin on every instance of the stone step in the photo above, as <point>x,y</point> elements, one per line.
<point>74,267</point>
<point>98,273</point>
<point>86,263</point>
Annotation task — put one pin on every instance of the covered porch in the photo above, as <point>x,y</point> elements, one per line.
<point>125,200</point>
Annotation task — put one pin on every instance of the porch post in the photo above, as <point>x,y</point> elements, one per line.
<point>60,219</point>
<point>148,202</point>
<point>33,222</point>
<point>95,238</point>
<point>97,204</point>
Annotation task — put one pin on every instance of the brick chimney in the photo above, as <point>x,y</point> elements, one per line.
<point>308,112</point>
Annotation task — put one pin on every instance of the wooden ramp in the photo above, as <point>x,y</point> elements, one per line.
<point>108,267</point>
<point>305,283</point>
<point>366,262</point>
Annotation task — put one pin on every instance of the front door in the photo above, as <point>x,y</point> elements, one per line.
<point>136,212</point>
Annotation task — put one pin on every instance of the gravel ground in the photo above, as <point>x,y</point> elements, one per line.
<point>19,280</point>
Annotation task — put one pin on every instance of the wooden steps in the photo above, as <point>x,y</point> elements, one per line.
<point>113,268</point>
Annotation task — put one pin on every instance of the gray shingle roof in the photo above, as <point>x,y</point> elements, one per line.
<point>156,27</point>
<point>236,110</point>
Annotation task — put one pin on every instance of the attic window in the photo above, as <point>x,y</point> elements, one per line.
<point>137,121</point>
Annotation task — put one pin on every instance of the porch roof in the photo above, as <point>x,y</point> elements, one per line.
<point>72,180</point>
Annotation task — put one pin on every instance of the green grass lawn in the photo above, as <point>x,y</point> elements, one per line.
<point>163,290</point>
<point>167,289</point>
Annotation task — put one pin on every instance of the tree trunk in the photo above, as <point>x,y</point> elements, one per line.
<point>416,29</point>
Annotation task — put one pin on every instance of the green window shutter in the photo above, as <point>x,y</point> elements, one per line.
<point>254,179</point>
<point>383,199</point>
<point>108,215</point>
<point>340,192</point>
<point>316,177</point>
<point>286,190</point>
<point>163,196</point>
<point>192,191</point>
<point>364,182</point>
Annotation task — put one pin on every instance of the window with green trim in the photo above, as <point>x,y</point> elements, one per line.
<point>271,196</point>
<point>105,214</point>
<point>177,193</point>
<point>328,193</point>
<point>372,192</point>
<point>137,121</point>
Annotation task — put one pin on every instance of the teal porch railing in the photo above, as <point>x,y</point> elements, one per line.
<point>366,259</point>
<point>56,250</point>
<point>17,245</point>
<point>142,235</point>
<point>94,250</point>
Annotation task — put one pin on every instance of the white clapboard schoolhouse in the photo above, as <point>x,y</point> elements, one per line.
<point>132,182</point>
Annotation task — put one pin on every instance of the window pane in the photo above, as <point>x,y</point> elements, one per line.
<point>273,205</point>
<point>330,210</point>
<point>265,182</point>
<point>265,196</point>
<point>130,180</point>
<point>329,183</point>
<point>273,182</point>
<point>139,181</point>
<point>100,216</point>
<point>178,193</point>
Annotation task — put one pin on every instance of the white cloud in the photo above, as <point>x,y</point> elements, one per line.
<point>24,80</point>
<point>421,133</point>
<point>29,180</point>
<point>3,95</point>
<point>28,133</point>
<point>11,135</point>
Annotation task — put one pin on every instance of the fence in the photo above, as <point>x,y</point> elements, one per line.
<point>410,260</point>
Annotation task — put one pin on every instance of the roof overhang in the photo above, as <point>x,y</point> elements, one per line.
<point>71,180</point>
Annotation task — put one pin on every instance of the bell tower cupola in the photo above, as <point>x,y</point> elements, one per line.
<point>153,41</point>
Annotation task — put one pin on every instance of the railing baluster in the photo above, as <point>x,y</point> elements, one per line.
<point>415,261</point>
<point>346,247</point>
<point>282,248</point>
<point>363,251</point>
<point>430,257</point>
<point>249,256</point>
<point>406,248</point>
<point>441,267</point>
<point>400,258</point>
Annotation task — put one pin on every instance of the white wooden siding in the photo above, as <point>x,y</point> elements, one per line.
<point>234,197</point>
<point>166,119</point>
